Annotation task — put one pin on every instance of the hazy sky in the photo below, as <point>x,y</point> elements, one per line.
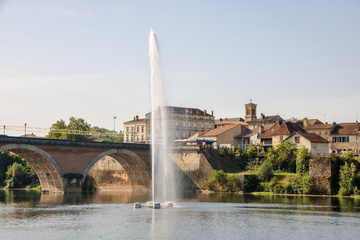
<point>89,58</point>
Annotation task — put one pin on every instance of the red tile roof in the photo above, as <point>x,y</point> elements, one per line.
<point>219,130</point>
<point>287,128</point>
<point>312,137</point>
<point>268,133</point>
<point>346,129</point>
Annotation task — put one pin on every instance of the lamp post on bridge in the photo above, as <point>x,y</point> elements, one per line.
<point>114,127</point>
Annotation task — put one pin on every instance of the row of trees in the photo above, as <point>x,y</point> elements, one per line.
<point>78,129</point>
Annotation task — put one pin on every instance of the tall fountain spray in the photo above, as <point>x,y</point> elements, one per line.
<point>163,182</point>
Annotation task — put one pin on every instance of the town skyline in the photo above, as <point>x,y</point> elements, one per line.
<point>61,59</point>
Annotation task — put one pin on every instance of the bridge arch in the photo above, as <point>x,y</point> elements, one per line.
<point>45,166</point>
<point>135,167</point>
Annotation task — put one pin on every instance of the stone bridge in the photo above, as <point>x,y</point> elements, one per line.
<point>63,165</point>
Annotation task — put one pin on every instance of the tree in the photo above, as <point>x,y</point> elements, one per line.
<point>283,155</point>
<point>302,160</point>
<point>347,175</point>
<point>75,130</point>
<point>15,175</point>
<point>54,132</point>
<point>266,171</point>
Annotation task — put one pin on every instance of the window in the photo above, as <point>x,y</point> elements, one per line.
<point>177,134</point>
<point>176,123</point>
<point>184,134</point>
<point>320,133</point>
<point>281,138</point>
<point>127,137</point>
<point>132,129</point>
<point>189,124</point>
<point>184,124</point>
<point>127,129</point>
<point>202,125</point>
<point>195,125</point>
<point>142,128</point>
<point>137,129</point>
<point>326,133</point>
<point>209,125</point>
<point>297,139</point>
<point>142,137</point>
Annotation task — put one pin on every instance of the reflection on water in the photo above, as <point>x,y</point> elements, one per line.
<point>110,215</point>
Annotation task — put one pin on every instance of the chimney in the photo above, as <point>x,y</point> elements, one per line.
<point>191,111</point>
<point>305,122</point>
<point>262,116</point>
<point>137,118</point>
<point>197,111</point>
<point>172,109</point>
<point>205,112</point>
<point>220,119</point>
<point>212,113</point>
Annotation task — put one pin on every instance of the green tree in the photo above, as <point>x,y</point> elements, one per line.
<point>55,130</point>
<point>302,160</point>
<point>347,176</point>
<point>283,155</point>
<point>5,161</point>
<point>266,171</point>
<point>75,130</point>
<point>15,175</point>
<point>222,182</point>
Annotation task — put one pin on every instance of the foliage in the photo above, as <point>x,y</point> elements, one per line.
<point>251,183</point>
<point>283,156</point>
<point>302,160</point>
<point>75,125</point>
<point>5,161</point>
<point>107,135</point>
<point>222,182</point>
<point>295,184</point>
<point>266,171</point>
<point>347,176</point>
<point>244,158</point>
<point>18,173</point>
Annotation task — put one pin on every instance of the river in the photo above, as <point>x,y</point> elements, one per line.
<point>110,215</point>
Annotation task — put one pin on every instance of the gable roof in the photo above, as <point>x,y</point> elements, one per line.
<point>312,137</point>
<point>268,133</point>
<point>219,130</point>
<point>287,128</point>
<point>230,122</point>
<point>319,126</point>
<point>346,129</point>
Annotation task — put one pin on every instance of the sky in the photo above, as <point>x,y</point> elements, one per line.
<point>89,58</point>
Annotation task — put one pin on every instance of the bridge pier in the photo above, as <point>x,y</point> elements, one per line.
<point>72,182</point>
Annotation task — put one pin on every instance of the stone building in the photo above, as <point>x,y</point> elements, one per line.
<point>316,144</point>
<point>135,131</point>
<point>183,123</point>
<point>344,137</point>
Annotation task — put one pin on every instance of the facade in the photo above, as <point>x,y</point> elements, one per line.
<point>224,134</point>
<point>135,131</point>
<point>316,144</point>
<point>344,137</point>
<point>184,122</point>
<point>323,130</point>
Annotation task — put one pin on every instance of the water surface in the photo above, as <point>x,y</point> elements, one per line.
<point>110,215</point>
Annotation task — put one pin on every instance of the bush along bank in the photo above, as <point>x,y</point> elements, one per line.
<point>285,170</point>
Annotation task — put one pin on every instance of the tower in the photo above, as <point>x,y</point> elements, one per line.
<point>250,111</point>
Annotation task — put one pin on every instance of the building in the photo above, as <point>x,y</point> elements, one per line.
<point>250,111</point>
<point>323,130</point>
<point>278,132</point>
<point>224,134</point>
<point>184,122</point>
<point>135,131</point>
<point>344,137</point>
<point>316,144</point>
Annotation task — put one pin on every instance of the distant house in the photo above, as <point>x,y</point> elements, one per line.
<point>344,137</point>
<point>135,130</point>
<point>224,134</point>
<point>316,144</point>
<point>323,130</point>
<point>278,132</point>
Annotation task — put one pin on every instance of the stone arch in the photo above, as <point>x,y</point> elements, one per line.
<point>45,166</point>
<point>137,170</point>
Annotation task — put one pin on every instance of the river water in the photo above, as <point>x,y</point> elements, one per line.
<point>110,215</point>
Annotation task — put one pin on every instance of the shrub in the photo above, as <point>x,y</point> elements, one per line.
<point>266,171</point>
<point>222,182</point>
<point>347,175</point>
<point>302,160</point>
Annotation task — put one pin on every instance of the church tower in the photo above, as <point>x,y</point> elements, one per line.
<point>250,111</point>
